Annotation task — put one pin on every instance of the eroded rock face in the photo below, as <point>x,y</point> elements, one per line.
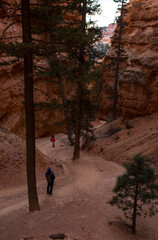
<point>138,83</point>
<point>12,112</point>
<point>108,33</point>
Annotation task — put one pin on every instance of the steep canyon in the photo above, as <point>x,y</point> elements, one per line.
<point>138,81</point>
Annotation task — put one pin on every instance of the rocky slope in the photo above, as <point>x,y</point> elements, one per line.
<point>118,141</point>
<point>138,83</point>
<point>13,160</point>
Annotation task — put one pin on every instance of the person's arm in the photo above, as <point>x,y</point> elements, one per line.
<point>53,176</point>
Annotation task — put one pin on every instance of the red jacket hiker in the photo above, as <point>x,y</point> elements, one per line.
<point>53,140</point>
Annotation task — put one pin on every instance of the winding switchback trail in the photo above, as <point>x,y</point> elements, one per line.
<point>79,205</point>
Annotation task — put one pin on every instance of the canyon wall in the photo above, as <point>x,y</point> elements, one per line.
<point>108,33</point>
<point>12,112</point>
<point>138,81</point>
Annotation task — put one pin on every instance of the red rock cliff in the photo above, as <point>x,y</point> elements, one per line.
<point>12,112</point>
<point>138,83</point>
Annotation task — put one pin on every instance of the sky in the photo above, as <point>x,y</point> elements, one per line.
<point>108,13</point>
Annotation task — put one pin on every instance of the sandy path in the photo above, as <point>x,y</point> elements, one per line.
<point>79,205</point>
<point>83,175</point>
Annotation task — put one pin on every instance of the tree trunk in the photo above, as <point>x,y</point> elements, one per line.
<point>78,113</point>
<point>117,67</point>
<point>76,154</point>
<point>135,210</point>
<point>100,92</point>
<point>64,100</point>
<point>29,109</point>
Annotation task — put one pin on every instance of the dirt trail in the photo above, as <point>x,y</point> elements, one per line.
<point>79,204</point>
<point>83,175</point>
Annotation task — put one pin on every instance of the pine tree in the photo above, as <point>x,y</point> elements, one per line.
<point>23,50</point>
<point>62,36</point>
<point>29,108</point>
<point>136,191</point>
<point>52,24</point>
<point>82,51</point>
<point>71,53</point>
<point>118,41</point>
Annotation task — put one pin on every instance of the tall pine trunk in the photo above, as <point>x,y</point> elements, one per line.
<point>135,210</point>
<point>29,109</point>
<point>117,67</point>
<point>66,112</point>
<point>64,101</point>
<point>78,113</point>
<point>76,154</point>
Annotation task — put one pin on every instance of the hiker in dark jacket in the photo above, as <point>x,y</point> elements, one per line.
<point>53,140</point>
<point>50,180</point>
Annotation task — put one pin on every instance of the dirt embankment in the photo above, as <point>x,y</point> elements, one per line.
<point>120,140</point>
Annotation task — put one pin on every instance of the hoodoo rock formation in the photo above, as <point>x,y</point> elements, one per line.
<point>138,82</point>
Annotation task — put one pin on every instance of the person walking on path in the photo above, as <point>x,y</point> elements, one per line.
<point>53,140</point>
<point>50,180</point>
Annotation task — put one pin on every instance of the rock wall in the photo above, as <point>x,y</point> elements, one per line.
<point>108,33</point>
<point>12,112</point>
<point>138,83</point>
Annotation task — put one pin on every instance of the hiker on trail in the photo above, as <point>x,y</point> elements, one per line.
<point>50,180</point>
<point>53,140</point>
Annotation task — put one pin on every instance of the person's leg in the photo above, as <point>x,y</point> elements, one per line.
<point>48,188</point>
<point>53,144</point>
<point>51,187</point>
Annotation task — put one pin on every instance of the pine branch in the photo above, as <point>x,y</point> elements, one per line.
<point>6,38</point>
<point>11,16</point>
<point>14,8</point>
<point>37,89</point>
<point>11,24</point>
<point>39,67</point>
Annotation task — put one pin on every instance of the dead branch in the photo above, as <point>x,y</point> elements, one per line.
<point>37,89</point>
<point>38,67</point>
<point>6,38</point>
<point>11,24</point>
<point>11,16</point>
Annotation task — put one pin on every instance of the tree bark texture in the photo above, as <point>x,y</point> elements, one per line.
<point>64,101</point>
<point>29,109</point>
<point>78,113</point>
<point>135,210</point>
<point>117,67</point>
<point>66,112</point>
<point>76,153</point>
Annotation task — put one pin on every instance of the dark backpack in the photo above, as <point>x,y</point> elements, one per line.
<point>49,178</point>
